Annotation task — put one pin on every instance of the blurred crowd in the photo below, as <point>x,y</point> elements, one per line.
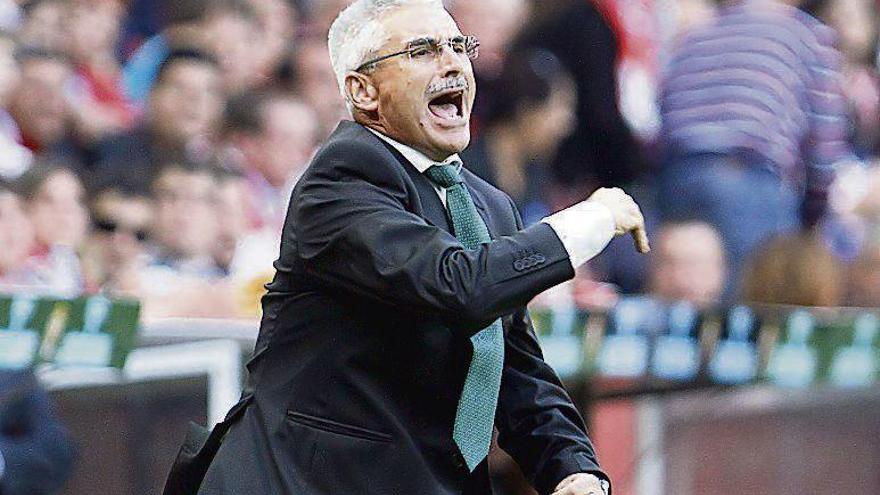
<point>148,148</point>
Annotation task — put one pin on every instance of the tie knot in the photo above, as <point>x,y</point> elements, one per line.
<point>445,175</point>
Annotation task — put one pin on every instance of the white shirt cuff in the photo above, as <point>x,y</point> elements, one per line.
<point>584,229</point>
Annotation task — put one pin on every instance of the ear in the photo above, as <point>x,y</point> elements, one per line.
<point>363,94</point>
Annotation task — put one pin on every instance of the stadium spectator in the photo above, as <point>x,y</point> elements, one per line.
<point>523,131</point>
<point>687,264</point>
<point>14,158</point>
<point>752,116</point>
<point>185,226</point>
<point>856,22</point>
<point>277,19</point>
<point>9,72</point>
<point>54,197</point>
<point>183,20</point>
<point>10,15</point>
<point>36,451</point>
<point>602,150</point>
<point>869,206</point>
<point>231,32</point>
<point>863,282</point>
<point>243,251</point>
<point>185,108</point>
<point>92,31</point>
<point>796,269</point>
<point>274,136</point>
<point>39,104</point>
<point>691,14</point>
<point>16,237</point>
<point>321,14</point>
<point>496,23</point>
<point>244,255</point>
<point>316,83</point>
<point>227,29</point>
<point>42,25</point>
<point>231,210</point>
<point>116,251</point>
<point>181,277</point>
<point>55,204</point>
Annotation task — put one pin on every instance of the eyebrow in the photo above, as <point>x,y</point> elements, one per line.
<point>421,41</point>
<point>433,41</point>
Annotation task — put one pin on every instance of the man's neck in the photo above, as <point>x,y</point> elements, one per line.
<point>378,127</point>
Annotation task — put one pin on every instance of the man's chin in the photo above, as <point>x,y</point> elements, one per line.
<point>451,142</point>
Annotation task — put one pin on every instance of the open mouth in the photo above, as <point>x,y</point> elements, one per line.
<point>448,106</point>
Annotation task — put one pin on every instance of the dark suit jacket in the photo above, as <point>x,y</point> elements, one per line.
<point>363,347</point>
<point>35,446</point>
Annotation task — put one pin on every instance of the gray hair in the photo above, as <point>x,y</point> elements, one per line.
<point>358,33</point>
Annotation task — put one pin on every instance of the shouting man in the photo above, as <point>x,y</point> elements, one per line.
<point>395,336</point>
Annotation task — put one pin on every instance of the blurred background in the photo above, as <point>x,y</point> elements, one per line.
<point>148,149</point>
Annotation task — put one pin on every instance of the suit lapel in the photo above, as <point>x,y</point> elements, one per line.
<point>433,210</point>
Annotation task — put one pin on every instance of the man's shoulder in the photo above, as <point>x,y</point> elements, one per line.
<point>13,382</point>
<point>351,143</point>
<point>350,135</point>
<point>8,376</point>
<point>353,151</point>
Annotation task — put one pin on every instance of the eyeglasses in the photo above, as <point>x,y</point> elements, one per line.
<point>111,227</point>
<point>430,48</point>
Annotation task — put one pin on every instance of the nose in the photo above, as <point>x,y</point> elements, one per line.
<point>450,61</point>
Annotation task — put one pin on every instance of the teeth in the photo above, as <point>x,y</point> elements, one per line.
<point>448,83</point>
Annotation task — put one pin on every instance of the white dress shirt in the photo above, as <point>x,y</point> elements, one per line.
<point>418,159</point>
<point>584,229</point>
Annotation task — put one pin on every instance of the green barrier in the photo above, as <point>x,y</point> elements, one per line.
<point>562,334</point>
<point>649,344</point>
<point>90,331</point>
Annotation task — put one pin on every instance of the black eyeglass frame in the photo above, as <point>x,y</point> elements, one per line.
<point>471,46</point>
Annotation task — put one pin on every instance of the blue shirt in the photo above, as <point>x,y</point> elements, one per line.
<point>139,74</point>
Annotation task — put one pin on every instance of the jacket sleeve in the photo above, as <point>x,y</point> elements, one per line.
<point>538,424</point>
<point>354,229</point>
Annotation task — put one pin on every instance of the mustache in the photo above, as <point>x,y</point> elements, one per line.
<point>447,83</point>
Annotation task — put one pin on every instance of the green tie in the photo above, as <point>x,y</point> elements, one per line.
<point>476,407</point>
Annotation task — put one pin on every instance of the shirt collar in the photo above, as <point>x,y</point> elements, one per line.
<point>418,159</point>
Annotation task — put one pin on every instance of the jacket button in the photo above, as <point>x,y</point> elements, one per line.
<point>540,258</point>
<point>458,461</point>
<point>519,265</point>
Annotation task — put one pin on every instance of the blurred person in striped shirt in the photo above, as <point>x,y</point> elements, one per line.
<point>858,25</point>
<point>754,122</point>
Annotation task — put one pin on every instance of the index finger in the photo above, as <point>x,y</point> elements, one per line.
<point>580,487</point>
<point>641,239</point>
